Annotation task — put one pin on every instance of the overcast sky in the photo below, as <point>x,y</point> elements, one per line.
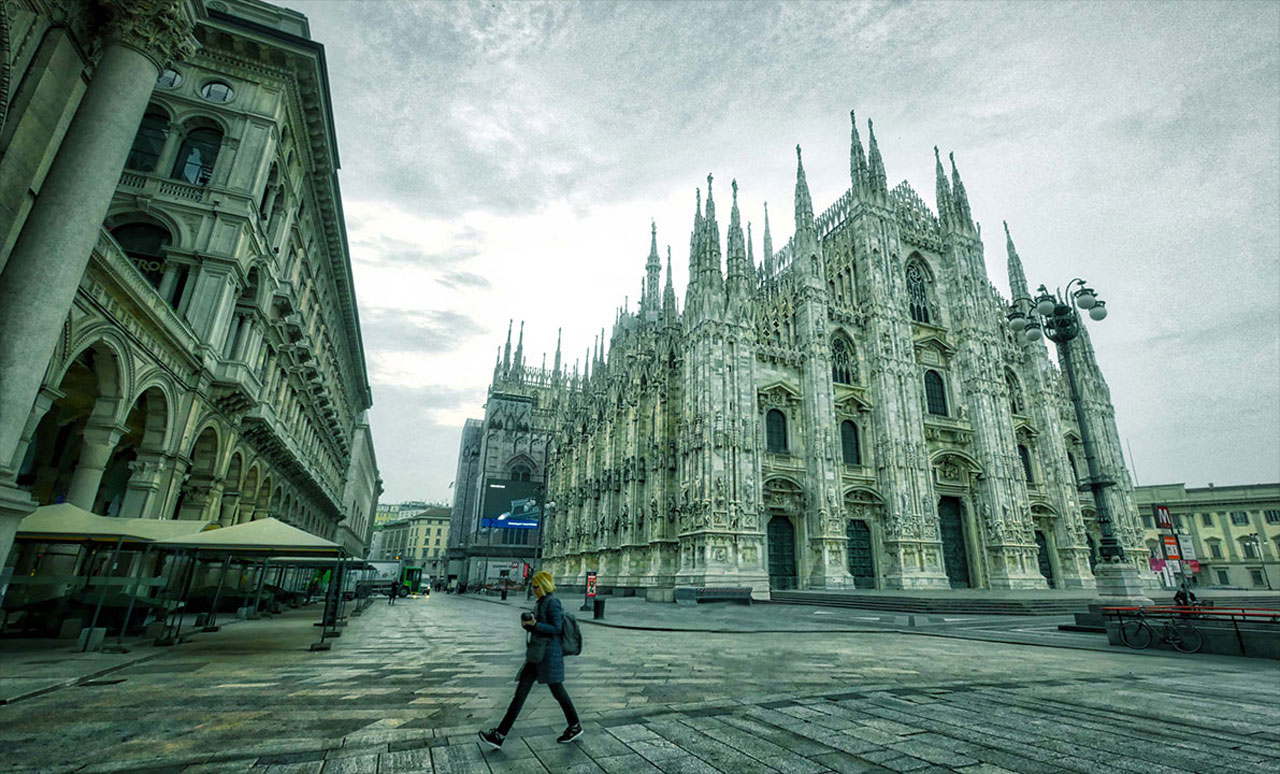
<point>504,160</point>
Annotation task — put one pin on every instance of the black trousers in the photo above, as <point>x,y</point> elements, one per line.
<point>528,676</point>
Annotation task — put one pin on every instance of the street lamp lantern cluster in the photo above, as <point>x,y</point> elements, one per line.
<point>1051,314</point>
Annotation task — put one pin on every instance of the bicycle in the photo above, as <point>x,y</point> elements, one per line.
<point>1138,633</point>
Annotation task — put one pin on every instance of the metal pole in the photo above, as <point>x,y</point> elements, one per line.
<point>211,624</point>
<point>186,592</point>
<point>133,596</point>
<point>102,592</point>
<point>1110,546</point>
<point>257,595</point>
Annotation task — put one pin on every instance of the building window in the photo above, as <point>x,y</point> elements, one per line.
<point>1273,517</point>
<point>1250,549</point>
<point>1015,392</point>
<point>168,79</point>
<point>521,473</point>
<point>935,393</point>
<point>1215,549</point>
<point>849,448</point>
<point>1148,522</point>
<point>1206,519</point>
<point>197,156</point>
<point>1177,520</point>
<point>775,431</point>
<point>1255,575</point>
<point>917,294</point>
<point>1240,518</point>
<point>148,142</point>
<point>217,91</point>
<point>1224,579</point>
<point>1025,456</point>
<point>844,369</point>
<point>1075,471</point>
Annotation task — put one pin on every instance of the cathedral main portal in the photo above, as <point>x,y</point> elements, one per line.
<point>955,554</point>
<point>782,554</point>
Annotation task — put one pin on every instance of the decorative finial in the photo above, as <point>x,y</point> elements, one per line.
<point>798,154</point>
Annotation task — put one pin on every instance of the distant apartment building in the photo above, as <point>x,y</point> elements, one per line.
<point>420,536</point>
<point>1234,531</point>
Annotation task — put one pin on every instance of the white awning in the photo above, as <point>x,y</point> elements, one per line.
<point>267,536</point>
<point>65,522</point>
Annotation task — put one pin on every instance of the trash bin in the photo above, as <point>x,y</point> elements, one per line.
<point>599,608</point>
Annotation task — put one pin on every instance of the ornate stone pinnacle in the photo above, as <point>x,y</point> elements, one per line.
<point>161,30</point>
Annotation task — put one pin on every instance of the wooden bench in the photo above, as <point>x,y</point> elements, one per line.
<point>691,595</point>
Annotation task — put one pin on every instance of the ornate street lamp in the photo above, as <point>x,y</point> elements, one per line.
<point>1053,315</point>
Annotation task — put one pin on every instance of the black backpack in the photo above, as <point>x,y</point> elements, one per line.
<point>570,635</point>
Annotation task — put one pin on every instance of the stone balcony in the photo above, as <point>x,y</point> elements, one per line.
<point>163,187</point>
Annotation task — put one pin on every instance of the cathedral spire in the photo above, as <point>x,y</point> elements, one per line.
<point>804,204</point>
<point>876,177</point>
<point>1017,276</point>
<point>556,370</point>
<point>695,244</point>
<point>739,281</point>
<point>506,353</point>
<point>669,293</point>
<point>653,274</point>
<point>944,190</point>
<point>767,244</point>
<point>961,199</point>
<point>497,365</point>
<point>857,161</point>
<point>518,364</point>
<point>711,236</point>
<point>751,256</point>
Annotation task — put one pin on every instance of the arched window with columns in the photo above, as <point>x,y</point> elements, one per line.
<point>918,294</point>
<point>844,365</point>
<point>148,143</point>
<point>197,155</point>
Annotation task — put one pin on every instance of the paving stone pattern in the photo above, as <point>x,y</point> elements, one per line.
<point>406,687</point>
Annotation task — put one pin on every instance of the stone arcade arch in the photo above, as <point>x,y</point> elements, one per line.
<point>72,444</point>
<point>862,528</point>
<point>194,501</point>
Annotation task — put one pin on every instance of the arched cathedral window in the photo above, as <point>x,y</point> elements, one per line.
<point>917,294</point>
<point>521,473</point>
<point>850,450</point>
<point>935,394</point>
<point>844,367</point>
<point>1015,393</point>
<point>775,431</point>
<point>1025,456</point>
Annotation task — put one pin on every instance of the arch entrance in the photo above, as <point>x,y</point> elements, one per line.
<point>783,573</point>
<point>955,551</point>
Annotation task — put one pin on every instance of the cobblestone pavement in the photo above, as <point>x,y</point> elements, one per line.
<point>406,687</point>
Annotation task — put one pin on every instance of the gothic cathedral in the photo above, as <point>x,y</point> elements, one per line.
<point>850,412</point>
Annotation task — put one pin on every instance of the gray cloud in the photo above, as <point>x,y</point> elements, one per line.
<point>428,330</point>
<point>456,279</point>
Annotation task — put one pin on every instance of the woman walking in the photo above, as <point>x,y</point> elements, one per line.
<point>544,662</point>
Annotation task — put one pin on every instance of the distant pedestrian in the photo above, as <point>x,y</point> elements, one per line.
<point>1184,597</point>
<point>391,595</point>
<point>544,662</point>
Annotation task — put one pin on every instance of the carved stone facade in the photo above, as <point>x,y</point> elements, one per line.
<point>850,412</point>
<point>209,363</point>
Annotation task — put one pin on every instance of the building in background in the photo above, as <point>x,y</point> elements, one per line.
<point>420,538</point>
<point>502,467</point>
<point>179,333</point>
<point>465,496</point>
<point>1234,531</point>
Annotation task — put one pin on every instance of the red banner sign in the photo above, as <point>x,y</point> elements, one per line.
<point>1163,519</point>
<point>1171,547</point>
<point>591,584</point>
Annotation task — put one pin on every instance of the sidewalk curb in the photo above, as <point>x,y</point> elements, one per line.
<point>80,679</point>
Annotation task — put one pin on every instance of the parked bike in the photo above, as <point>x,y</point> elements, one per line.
<point>1138,633</point>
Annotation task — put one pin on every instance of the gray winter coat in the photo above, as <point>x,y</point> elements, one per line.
<point>550,617</point>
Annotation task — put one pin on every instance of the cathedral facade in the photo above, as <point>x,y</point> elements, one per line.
<point>852,411</point>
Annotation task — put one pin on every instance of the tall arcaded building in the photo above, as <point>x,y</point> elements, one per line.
<point>179,335</point>
<point>850,411</point>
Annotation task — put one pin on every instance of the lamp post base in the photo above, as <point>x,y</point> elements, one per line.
<point>1119,585</point>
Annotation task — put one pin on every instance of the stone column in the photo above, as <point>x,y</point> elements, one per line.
<point>44,401</point>
<point>50,255</point>
<point>143,496</point>
<point>99,442</point>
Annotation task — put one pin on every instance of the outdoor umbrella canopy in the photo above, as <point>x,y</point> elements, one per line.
<point>263,537</point>
<point>65,522</point>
